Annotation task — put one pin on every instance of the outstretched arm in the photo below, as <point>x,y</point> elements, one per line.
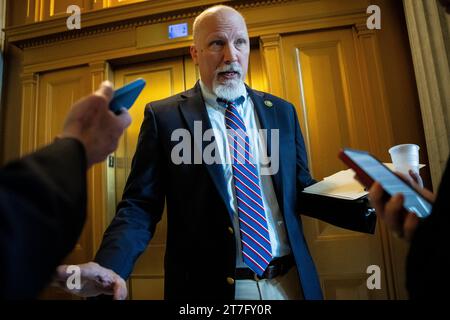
<point>353,215</point>
<point>43,196</point>
<point>142,204</point>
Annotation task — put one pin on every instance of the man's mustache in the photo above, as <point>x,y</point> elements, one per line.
<point>234,67</point>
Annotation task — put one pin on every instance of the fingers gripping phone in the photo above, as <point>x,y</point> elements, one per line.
<point>126,96</point>
<point>369,169</point>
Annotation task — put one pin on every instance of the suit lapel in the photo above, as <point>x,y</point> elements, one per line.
<point>193,110</point>
<point>268,118</point>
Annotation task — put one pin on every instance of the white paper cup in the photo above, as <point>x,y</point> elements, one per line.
<point>405,157</point>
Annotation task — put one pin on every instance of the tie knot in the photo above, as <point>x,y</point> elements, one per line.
<point>235,102</point>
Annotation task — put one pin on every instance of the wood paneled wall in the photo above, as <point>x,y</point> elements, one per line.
<point>30,11</point>
<point>112,38</point>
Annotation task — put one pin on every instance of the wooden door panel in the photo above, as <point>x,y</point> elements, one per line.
<point>57,93</point>
<point>114,3</point>
<point>58,90</point>
<point>322,80</point>
<point>164,78</point>
<point>146,288</point>
<point>352,288</point>
<point>324,93</point>
<point>58,8</point>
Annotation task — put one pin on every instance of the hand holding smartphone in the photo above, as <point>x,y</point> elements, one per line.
<point>370,169</point>
<point>126,96</point>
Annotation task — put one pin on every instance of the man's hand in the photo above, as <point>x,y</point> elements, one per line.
<point>95,280</point>
<point>402,223</point>
<point>91,122</point>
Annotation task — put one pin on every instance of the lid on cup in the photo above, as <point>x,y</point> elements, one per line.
<point>404,147</point>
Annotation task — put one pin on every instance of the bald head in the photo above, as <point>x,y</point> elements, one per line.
<point>221,47</point>
<point>219,12</point>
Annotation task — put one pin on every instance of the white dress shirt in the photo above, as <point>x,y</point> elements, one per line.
<point>275,221</point>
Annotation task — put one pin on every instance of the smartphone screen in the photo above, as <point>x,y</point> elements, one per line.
<point>390,182</point>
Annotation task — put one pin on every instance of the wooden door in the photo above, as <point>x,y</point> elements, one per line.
<point>57,91</point>
<point>323,81</point>
<point>164,78</point>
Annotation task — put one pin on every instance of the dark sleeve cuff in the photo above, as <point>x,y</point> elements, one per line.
<point>356,215</point>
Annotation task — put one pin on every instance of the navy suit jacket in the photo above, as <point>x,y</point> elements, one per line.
<point>200,252</point>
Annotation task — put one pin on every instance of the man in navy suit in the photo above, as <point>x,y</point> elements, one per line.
<point>209,255</point>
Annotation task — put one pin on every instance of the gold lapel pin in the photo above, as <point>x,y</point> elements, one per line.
<point>268,103</point>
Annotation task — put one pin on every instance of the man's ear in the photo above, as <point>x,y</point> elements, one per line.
<point>194,53</point>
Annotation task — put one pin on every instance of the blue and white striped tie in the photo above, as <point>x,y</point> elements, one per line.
<point>255,239</point>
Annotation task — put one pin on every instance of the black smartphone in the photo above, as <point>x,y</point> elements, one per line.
<point>370,169</point>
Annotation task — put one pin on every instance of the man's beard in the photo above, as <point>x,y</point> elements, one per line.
<point>232,88</point>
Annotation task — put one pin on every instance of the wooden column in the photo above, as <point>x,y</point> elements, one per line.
<point>373,82</point>
<point>273,64</point>
<point>28,113</point>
